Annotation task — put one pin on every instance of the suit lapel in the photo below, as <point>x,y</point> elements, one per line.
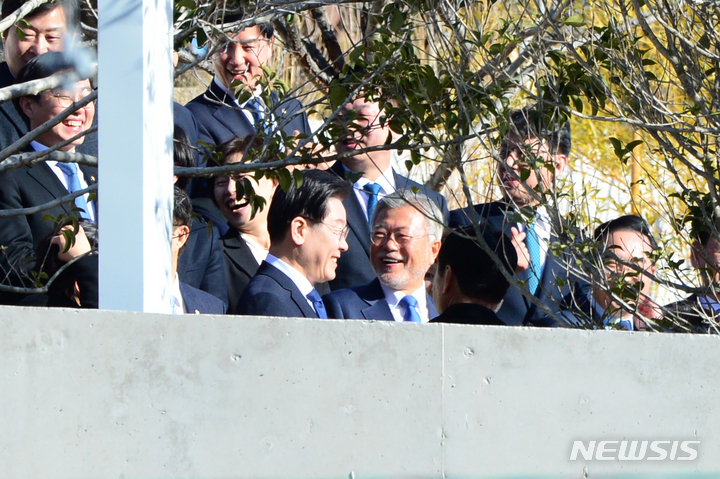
<point>47,179</point>
<point>355,215</point>
<point>231,116</point>
<point>239,253</point>
<point>287,284</point>
<point>378,307</point>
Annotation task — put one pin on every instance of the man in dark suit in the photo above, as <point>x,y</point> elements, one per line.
<point>185,298</point>
<point>307,227</point>
<point>374,179</point>
<point>247,241</point>
<point>406,234</point>
<point>240,62</point>
<point>469,285</point>
<point>539,149</point>
<point>43,30</point>
<point>44,182</point>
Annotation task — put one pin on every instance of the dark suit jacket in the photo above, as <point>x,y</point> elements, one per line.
<point>240,266</point>
<point>13,125</point>
<point>271,293</point>
<point>516,309</point>
<point>201,263</point>
<point>223,120</point>
<point>468,313</point>
<point>25,187</point>
<point>353,267</point>
<point>199,302</point>
<point>363,302</point>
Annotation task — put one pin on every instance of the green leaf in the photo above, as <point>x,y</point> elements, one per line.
<point>618,147</point>
<point>575,21</point>
<point>201,38</point>
<point>185,4</point>
<point>298,177</point>
<point>338,96</point>
<point>285,179</point>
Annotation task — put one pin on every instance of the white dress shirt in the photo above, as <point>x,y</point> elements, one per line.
<point>61,176</point>
<point>393,299</point>
<point>177,294</point>
<point>387,186</point>
<point>542,229</point>
<point>259,253</point>
<point>302,283</point>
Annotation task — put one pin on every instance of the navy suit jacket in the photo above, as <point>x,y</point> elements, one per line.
<point>272,293</point>
<point>363,302</point>
<point>353,267</point>
<point>468,313</point>
<point>516,309</point>
<point>24,187</point>
<point>240,266</point>
<point>199,302</point>
<point>13,125</point>
<point>201,263</point>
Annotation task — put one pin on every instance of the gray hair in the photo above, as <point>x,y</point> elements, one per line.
<point>429,209</point>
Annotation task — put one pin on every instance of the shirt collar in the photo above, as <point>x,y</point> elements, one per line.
<point>256,93</point>
<point>302,283</point>
<point>386,181</point>
<point>393,297</point>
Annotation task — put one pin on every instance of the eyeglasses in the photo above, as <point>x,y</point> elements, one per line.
<point>63,98</point>
<point>341,232</point>
<point>379,238</point>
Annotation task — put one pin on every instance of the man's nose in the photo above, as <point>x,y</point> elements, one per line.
<point>40,45</point>
<point>343,245</point>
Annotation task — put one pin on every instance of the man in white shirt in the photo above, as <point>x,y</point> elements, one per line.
<point>307,227</point>
<point>406,234</point>
<point>374,178</point>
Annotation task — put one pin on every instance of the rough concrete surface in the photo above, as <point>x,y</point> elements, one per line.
<point>88,394</point>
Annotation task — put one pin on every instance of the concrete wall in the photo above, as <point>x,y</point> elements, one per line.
<point>110,394</point>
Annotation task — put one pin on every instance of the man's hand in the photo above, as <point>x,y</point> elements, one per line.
<point>81,246</point>
<point>518,240</point>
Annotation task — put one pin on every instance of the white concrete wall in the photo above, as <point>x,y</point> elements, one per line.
<point>132,395</point>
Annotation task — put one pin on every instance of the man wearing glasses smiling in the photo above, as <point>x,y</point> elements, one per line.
<point>42,182</point>
<point>406,232</point>
<point>308,228</point>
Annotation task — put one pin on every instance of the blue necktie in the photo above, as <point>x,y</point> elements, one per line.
<point>411,312</point>
<point>257,110</point>
<point>176,306</point>
<point>73,184</point>
<point>318,304</point>
<point>372,189</point>
<point>532,241</point>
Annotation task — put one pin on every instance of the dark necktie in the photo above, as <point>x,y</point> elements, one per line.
<point>372,190</point>
<point>257,110</point>
<point>318,304</point>
<point>70,170</point>
<point>411,312</point>
<point>532,241</point>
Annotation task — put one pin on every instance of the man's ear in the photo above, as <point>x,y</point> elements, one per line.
<point>298,230</point>
<point>560,162</point>
<point>448,278</point>
<point>26,105</point>
<point>435,249</point>
<point>182,233</point>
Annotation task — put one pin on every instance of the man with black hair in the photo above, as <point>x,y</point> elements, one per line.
<point>43,30</point>
<point>534,150</point>
<point>238,66</point>
<point>626,239</point>
<point>307,228</point>
<point>469,285</point>
<point>366,128</point>
<point>43,182</point>
<point>186,299</point>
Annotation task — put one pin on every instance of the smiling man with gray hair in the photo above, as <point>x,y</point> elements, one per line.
<point>405,237</point>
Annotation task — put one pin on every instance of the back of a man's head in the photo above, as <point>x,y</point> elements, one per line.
<point>531,122</point>
<point>182,208</point>
<point>309,201</point>
<point>72,11</point>
<point>478,276</point>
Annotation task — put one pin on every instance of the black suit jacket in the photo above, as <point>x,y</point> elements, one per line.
<point>13,125</point>
<point>201,263</point>
<point>223,120</point>
<point>363,302</point>
<point>468,313</point>
<point>240,266</point>
<point>353,267</point>
<point>271,293</point>
<point>199,302</point>
<point>25,187</point>
<point>516,309</point>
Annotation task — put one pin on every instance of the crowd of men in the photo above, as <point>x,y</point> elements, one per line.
<point>355,241</point>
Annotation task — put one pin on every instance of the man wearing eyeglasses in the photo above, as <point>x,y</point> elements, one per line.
<point>45,29</point>
<point>308,228</point>
<point>43,182</point>
<point>405,240</point>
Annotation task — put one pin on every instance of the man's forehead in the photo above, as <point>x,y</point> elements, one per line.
<point>246,35</point>
<point>55,16</point>
<point>362,107</point>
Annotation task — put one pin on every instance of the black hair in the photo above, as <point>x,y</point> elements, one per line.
<point>239,145</point>
<point>72,10</point>
<point>625,223</point>
<point>182,208</point>
<point>236,13</point>
<point>183,155</point>
<point>478,276</point>
<point>531,122</point>
<point>310,201</point>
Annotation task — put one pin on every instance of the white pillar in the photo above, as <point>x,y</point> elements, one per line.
<point>135,154</point>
